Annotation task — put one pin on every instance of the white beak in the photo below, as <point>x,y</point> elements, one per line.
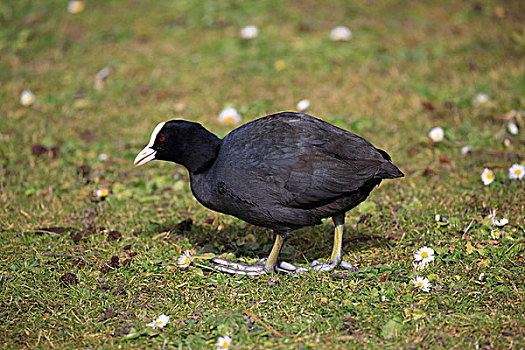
<point>148,153</point>
<point>145,156</point>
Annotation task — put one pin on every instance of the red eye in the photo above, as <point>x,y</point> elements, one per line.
<point>161,138</point>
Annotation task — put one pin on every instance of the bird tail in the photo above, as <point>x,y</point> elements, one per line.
<point>388,170</point>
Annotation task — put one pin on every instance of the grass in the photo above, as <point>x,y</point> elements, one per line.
<point>166,54</point>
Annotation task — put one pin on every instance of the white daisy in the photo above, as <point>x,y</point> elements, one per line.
<point>185,259</point>
<point>249,32</point>
<point>75,6</point>
<point>511,114</point>
<point>496,234</point>
<point>498,222</point>
<point>480,100</point>
<point>422,283</point>
<point>303,105</point>
<point>27,98</point>
<point>229,116</point>
<point>516,171</point>
<point>102,192</point>
<point>354,282</point>
<point>103,157</point>
<point>466,149</point>
<point>424,256</point>
<point>487,176</point>
<point>223,342</point>
<point>436,134</point>
<point>340,33</point>
<point>512,128</point>
<point>160,322</point>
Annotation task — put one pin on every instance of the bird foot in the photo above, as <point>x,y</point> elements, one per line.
<point>347,266</point>
<point>315,266</point>
<point>260,267</point>
<point>227,266</point>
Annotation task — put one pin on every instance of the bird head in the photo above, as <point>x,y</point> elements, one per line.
<point>179,141</point>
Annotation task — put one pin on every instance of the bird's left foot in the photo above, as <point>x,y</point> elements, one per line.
<point>315,266</point>
<point>227,266</point>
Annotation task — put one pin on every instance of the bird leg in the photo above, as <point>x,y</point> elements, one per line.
<point>269,264</point>
<point>335,257</point>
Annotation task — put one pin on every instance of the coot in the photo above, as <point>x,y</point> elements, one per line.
<point>283,171</point>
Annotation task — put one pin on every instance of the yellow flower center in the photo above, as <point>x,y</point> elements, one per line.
<point>352,283</point>
<point>229,119</point>
<point>187,261</point>
<point>489,176</point>
<point>27,100</point>
<point>495,233</point>
<point>77,6</point>
<point>424,255</point>
<point>224,345</point>
<point>517,172</point>
<point>420,284</point>
<point>159,323</point>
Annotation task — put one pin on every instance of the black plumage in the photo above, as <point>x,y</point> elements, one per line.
<point>284,171</point>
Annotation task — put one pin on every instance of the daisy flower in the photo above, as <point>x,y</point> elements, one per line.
<point>487,176</point>
<point>516,171</point>
<point>466,149</point>
<point>353,283</point>
<point>223,342</point>
<point>512,128</point>
<point>160,322</point>
<point>424,256</point>
<point>76,6</point>
<point>249,32</point>
<point>480,100</point>
<point>303,105</point>
<point>496,221</point>
<point>340,33</point>
<point>422,283</point>
<point>229,116</point>
<point>185,259</point>
<point>27,98</point>
<point>496,234</point>
<point>102,193</point>
<point>436,134</point>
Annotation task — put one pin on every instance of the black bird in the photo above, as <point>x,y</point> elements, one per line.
<point>283,171</point>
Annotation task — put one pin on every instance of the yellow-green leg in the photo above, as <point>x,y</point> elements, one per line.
<point>335,257</point>
<point>270,263</point>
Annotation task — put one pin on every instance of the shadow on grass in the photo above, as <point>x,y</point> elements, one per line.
<point>245,240</point>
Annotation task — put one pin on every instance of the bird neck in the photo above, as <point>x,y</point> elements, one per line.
<point>201,152</point>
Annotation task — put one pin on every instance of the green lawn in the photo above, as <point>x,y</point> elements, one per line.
<point>409,67</point>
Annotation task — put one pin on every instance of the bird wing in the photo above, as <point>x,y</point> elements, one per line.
<point>304,161</point>
<point>317,177</point>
